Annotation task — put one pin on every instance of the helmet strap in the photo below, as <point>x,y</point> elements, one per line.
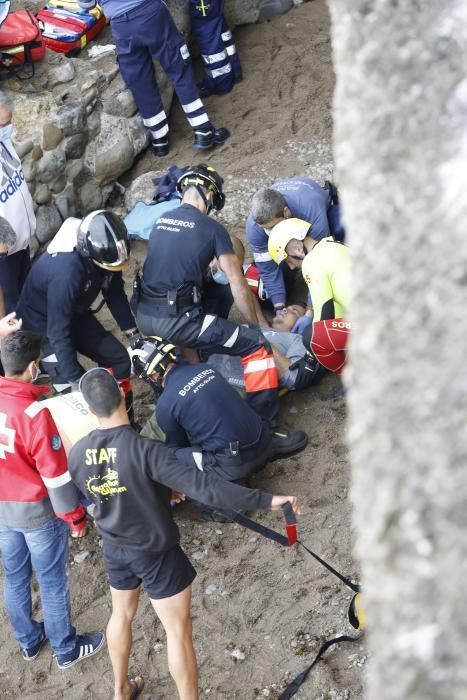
<point>206,201</point>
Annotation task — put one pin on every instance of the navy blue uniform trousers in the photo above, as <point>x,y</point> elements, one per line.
<point>146,32</point>
<point>216,45</point>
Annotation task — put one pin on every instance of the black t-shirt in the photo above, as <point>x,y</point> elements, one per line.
<point>182,244</point>
<point>198,401</point>
<point>129,479</point>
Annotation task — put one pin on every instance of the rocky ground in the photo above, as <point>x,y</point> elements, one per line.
<point>259,610</point>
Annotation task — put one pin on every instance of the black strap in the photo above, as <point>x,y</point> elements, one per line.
<point>269,533</point>
<point>351,584</point>
<point>293,687</point>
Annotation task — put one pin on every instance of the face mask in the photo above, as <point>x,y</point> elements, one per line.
<point>36,374</point>
<point>220,277</point>
<point>6,132</point>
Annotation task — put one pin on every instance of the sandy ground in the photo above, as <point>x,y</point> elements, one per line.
<point>270,603</point>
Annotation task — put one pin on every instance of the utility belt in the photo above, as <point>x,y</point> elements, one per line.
<point>171,303</point>
<point>236,454</point>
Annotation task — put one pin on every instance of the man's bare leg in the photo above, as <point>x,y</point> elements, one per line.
<point>175,615</point>
<point>119,638</point>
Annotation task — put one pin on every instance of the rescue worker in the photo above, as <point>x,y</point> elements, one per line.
<point>143,30</point>
<point>299,197</point>
<point>38,503</point>
<point>325,266</point>
<point>196,404</point>
<point>129,479</point>
<point>16,207</point>
<point>169,302</point>
<point>83,260</point>
<point>215,41</point>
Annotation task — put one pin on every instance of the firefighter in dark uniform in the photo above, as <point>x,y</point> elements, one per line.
<point>59,291</point>
<point>206,422</point>
<point>169,295</point>
<point>215,42</point>
<point>143,30</point>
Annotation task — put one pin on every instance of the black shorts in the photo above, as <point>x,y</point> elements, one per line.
<point>163,574</point>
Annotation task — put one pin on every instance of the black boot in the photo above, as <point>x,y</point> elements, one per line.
<point>210,138</point>
<point>160,147</point>
<point>286,442</point>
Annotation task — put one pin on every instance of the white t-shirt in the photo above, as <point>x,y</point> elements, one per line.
<point>15,199</point>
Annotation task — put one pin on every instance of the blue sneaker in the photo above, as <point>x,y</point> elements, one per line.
<point>86,645</point>
<point>33,652</point>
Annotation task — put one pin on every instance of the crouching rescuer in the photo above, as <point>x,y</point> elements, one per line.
<point>205,420</point>
<point>85,259</point>
<point>169,294</point>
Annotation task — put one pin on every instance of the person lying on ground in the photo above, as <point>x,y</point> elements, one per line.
<point>325,266</point>
<point>129,479</point>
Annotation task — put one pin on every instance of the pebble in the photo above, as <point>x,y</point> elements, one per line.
<point>212,588</point>
<point>158,647</point>
<point>80,557</point>
<point>197,555</point>
<point>238,654</point>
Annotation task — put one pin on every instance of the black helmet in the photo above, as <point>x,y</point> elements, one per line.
<point>204,176</point>
<point>103,237</point>
<point>150,355</point>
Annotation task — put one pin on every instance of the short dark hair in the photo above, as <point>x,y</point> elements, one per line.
<point>101,391</point>
<point>17,350</point>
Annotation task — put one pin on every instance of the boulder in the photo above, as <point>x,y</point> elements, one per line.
<point>76,145</point>
<point>71,118</point>
<point>51,165</point>
<point>23,148</point>
<point>141,189</point>
<point>66,202</point>
<point>51,136</point>
<point>243,11</point>
<point>111,153</point>
<point>62,73</point>
<point>42,195</point>
<point>118,101</point>
<point>48,221</point>
<point>89,195</point>
<point>138,134</point>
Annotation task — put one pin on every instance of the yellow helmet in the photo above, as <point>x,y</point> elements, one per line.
<point>281,235</point>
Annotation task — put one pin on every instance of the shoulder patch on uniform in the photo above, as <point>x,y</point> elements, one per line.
<point>56,442</point>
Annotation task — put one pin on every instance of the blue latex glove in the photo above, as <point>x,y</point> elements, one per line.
<point>301,323</point>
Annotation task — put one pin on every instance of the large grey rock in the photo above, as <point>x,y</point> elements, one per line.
<point>62,73</point>
<point>76,145</point>
<point>242,11</point>
<point>111,153</point>
<point>66,202</point>
<point>94,124</point>
<point>119,104</point>
<point>51,136</point>
<point>141,189</point>
<point>59,184</point>
<point>138,134</point>
<point>23,148</point>
<point>114,161</point>
<point>71,118</point>
<point>42,195</point>
<point>51,165</point>
<point>89,195</point>
<point>48,222</point>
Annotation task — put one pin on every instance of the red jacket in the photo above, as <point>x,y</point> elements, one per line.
<point>34,478</point>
